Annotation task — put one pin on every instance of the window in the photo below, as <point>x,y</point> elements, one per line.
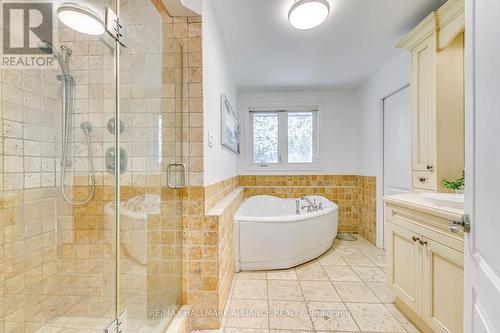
<point>284,138</point>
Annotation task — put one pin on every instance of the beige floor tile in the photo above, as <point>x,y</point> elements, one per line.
<point>347,249</point>
<point>48,329</point>
<point>402,319</point>
<point>327,316</point>
<point>369,249</point>
<point>292,316</point>
<point>292,331</point>
<point>374,318</point>
<point>336,273</point>
<point>332,258</point>
<point>289,315</point>
<point>311,271</point>
<point>358,260</point>
<point>382,291</point>
<point>250,289</point>
<point>319,291</point>
<point>285,274</point>
<point>250,275</point>
<point>286,290</point>
<point>241,330</point>
<point>355,292</point>
<point>370,274</point>
<point>247,314</point>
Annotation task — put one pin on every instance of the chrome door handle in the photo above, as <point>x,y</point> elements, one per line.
<point>460,224</point>
<point>183,178</point>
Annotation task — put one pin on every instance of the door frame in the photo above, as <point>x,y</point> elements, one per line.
<point>380,227</point>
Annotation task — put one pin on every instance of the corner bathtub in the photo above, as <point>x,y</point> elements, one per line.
<point>270,235</point>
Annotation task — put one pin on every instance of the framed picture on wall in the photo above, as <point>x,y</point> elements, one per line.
<point>230,127</point>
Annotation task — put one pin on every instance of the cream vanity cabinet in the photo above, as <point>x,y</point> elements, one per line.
<point>425,264</point>
<point>437,85</point>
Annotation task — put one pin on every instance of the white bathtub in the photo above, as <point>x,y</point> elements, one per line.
<point>270,235</point>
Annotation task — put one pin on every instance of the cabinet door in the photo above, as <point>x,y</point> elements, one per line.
<point>443,285</point>
<point>404,271</point>
<point>424,104</point>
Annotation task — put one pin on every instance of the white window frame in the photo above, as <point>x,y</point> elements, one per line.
<point>283,164</point>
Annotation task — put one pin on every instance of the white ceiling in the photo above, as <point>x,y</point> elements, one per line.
<point>357,39</point>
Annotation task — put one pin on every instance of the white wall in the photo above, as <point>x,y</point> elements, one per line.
<point>219,162</point>
<point>339,121</point>
<point>393,76</point>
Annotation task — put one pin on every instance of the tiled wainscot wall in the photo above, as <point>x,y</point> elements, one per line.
<point>355,196</point>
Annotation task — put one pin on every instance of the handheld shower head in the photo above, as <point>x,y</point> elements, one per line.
<point>61,56</point>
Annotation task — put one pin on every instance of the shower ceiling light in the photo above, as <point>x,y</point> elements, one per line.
<point>80,19</point>
<point>307,14</point>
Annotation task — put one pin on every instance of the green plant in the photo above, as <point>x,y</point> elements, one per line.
<point>455,184</point>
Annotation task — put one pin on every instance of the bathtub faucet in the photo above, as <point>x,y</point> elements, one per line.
<point>312,207</point>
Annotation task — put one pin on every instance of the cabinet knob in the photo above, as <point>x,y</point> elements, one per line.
<point>415,238</point>
<point>429,167</point>
<point>422,242</point>
<point>422,179</point>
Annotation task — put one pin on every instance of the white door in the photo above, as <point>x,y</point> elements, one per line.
<point>397,142</point>
<point>482,244</point>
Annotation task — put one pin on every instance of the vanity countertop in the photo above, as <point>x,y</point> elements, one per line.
<point>417,201</point>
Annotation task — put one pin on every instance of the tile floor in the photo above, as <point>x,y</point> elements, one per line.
<point>68,324</point>
<point>342,291</point>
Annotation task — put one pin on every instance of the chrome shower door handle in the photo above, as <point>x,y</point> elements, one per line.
<point>183,183</point>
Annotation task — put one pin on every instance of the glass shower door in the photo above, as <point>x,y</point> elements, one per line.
<point>57,205</point>
<point>150,220</point>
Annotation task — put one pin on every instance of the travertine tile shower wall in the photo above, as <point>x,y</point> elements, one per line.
<point>30,125</point>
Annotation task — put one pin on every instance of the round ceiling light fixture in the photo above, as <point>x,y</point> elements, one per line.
<point>81,19</point>
<point>308,14</point>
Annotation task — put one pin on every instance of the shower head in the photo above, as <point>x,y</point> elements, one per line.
<point>81,19</point>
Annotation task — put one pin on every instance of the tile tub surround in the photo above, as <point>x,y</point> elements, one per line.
<point>355,196</point>
<point>208,239</point>
<point>368,209</point>
<point>331,293</point>
<point>208,254</point>
<point>217,191</point>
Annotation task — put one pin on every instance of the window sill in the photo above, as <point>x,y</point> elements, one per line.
<point>284,169</point>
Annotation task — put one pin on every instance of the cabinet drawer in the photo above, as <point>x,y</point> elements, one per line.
<point>426,225</point>
<point>425,180</point>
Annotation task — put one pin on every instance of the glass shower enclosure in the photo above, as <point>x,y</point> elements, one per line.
<point>91,169</point>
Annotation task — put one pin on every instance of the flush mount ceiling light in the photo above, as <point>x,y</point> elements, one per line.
<point>307,14</point>
<point>80,19</point>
